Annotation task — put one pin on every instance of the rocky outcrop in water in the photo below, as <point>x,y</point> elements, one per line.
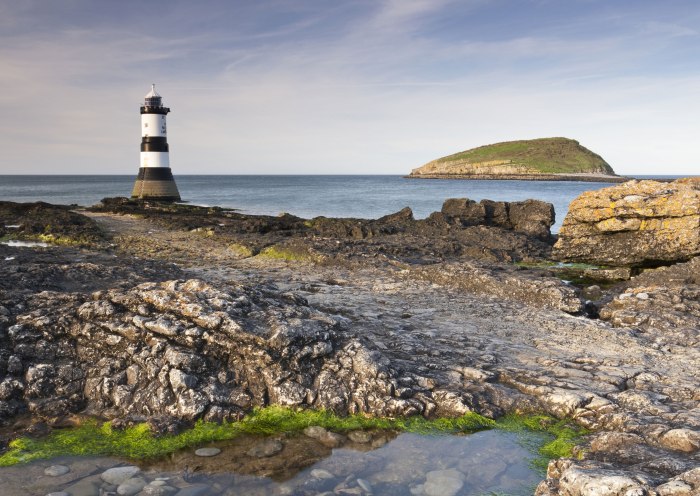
<point>638,223</point>
<point>532,217</point>
<point>490,231</point>
<point>46,222</point>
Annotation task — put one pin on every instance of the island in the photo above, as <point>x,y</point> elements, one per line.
<point>543,159</point>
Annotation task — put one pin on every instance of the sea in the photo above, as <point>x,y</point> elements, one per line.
<point>307,196</point>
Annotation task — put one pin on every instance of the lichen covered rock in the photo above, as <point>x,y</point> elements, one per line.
<point>638,223</point>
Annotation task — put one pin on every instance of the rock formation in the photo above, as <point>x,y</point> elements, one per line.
<point>638,223</point>
<point>532,217</point>
<point>538,159</point>
<point>185,350</point>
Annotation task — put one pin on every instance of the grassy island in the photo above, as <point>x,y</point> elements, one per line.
<point>528,158</point>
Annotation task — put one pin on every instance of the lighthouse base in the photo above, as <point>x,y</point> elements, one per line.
<point>155,183</point>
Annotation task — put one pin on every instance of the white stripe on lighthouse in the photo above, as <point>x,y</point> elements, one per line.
<point>153,125</point>
<point>155,159</point>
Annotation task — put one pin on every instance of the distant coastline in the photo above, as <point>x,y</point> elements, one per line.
<point>583,177</point>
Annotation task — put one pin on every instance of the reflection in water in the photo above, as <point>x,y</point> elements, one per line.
<point>24,244</point>
<point>382,463</point>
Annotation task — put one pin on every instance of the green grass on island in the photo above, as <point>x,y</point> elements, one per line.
<point>95,438</point>
<point>545,155</point>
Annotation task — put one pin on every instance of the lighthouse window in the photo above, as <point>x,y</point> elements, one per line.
<point>145,124</point>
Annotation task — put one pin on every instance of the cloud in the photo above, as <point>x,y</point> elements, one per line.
<point>346,88</point>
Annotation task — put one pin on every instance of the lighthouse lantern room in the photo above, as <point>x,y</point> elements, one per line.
<point>155,179</point>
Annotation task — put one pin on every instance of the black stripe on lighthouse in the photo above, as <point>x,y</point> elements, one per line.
<point>154,144</point>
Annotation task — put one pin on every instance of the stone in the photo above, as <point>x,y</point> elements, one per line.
<point>365,485</point>
<point>207,452</point>
<point>56,470</point>
<point>685,440</point>
<point>443,482</point>
<point>464,211</point>
<point>59,493</point>
<point>131,486</point>
<point>636,223</point>
<point>361,437</point>
<point>117,475</point>
<point>269,447</point>
<point>532,217</point>
<point>315,431</point>
<point>89,486</point>
<point>675,488</point>
<point>157,490</point>
<point>319,473</point>
<point>575,480</point>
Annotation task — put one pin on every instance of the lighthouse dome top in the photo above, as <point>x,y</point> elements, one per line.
<point>152,98</point>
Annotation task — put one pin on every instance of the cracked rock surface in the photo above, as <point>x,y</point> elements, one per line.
<point>133,337</point>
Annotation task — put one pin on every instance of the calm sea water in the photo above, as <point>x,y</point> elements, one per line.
<point>304,196</point>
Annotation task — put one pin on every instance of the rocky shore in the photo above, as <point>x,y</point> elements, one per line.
<point>173,313</point>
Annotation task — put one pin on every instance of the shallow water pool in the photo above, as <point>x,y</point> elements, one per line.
<point>381,463</point>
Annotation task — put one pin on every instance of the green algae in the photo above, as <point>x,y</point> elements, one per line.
<point>290,255</point>
<point>553,438</point>
<point>94,438</point>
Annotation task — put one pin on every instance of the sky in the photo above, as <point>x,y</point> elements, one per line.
<point>346,87</point>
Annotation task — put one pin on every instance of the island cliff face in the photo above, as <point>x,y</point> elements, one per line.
<point>538,159</point>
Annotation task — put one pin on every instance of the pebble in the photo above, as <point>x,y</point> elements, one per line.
<point>151,490</point>
<point>315,431</point>
<point>207,452</point>
<point>117,475</point>
<point>642,296</point>
<point>365,485</point>
<point>131,486</point>
<point>60,493</point>
<point>56,470</point>
<point>361,437</point>
<point>443,482</point>
<point>266,448</point>
<point>319,473</point>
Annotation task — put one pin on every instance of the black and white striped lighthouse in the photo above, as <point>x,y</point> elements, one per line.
<point>155,180</point>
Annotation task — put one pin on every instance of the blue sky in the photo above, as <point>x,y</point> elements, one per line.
<point>346,87</point>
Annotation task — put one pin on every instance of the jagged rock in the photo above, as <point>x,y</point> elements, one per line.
<point>532,217</point>
<point>253,350</point>
<point>664,300</point>
<point>638,223</point>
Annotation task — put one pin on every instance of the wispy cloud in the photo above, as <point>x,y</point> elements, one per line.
<point>362,87</point>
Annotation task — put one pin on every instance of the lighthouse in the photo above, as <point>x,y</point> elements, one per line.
<point>155,180</point>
